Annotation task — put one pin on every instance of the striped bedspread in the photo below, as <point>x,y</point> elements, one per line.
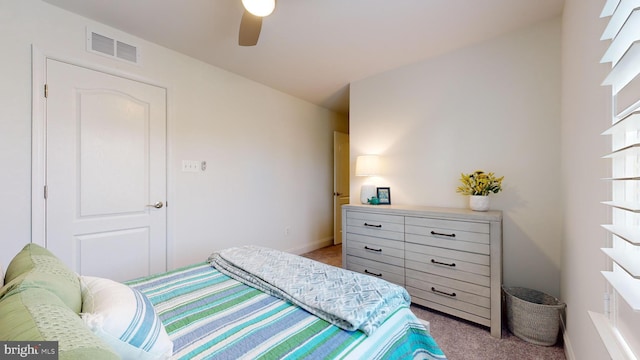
<point>209,315</point>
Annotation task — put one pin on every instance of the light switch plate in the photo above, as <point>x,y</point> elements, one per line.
<point>190,165</point>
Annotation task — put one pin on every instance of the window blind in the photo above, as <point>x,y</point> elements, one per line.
<point>619,325</point>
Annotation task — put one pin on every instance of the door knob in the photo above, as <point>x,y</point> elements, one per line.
<point>157,205</point>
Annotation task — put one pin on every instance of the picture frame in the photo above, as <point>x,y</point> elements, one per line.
<point>384,195</point>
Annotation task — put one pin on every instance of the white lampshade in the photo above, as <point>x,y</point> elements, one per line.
<point>367,165</point>
<point>260,8</point>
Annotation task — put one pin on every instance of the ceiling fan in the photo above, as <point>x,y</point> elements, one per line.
<point>251,23</point>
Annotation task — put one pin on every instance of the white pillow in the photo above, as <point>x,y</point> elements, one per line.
<point>124,318</point>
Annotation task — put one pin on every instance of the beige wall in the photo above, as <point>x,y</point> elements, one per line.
<point>585,114</point>
<point>493,106</point>
<point>269,154</point>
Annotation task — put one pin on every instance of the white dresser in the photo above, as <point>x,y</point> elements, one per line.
<point>448,259</point>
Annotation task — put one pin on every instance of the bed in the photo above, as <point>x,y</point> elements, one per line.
<point>205,312</point>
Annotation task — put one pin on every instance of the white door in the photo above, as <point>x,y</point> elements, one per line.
<point>340,181</point>
<point>105,170</point>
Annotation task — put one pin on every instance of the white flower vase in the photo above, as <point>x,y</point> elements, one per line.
<point>479,202</point>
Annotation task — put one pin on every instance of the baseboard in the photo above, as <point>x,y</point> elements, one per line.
<point>568,350</point>
<point>313,246</point>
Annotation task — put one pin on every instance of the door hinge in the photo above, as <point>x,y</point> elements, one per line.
<point>46,90</point>
<point>46,192</point>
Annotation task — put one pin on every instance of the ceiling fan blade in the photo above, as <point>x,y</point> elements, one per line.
<point>250,27</point>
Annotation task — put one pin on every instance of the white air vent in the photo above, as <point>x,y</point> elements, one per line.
<point>102,44</point>
<point>108,46</point>
<point>126,52</point>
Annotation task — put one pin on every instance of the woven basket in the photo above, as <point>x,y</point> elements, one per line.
<point>533,316</point>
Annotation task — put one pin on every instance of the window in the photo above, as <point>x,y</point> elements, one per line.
<point>620,325</point>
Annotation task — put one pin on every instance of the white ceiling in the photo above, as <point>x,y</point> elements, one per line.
<point>313,49</point>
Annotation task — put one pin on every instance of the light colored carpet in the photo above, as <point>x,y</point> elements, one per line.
<point>460,339</point>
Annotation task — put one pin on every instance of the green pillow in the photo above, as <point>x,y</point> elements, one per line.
<point>33,314</point>
<point>36,266</point>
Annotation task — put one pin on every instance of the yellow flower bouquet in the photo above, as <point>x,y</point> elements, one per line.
<point>480,183</point>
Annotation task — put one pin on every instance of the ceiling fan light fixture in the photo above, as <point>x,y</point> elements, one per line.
<point>260,8</point>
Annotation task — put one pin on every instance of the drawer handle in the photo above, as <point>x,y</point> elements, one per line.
<point>370,273</point>
<point>372,225</point>
<point>372,249</point>
<point>442,292</point>
<point>441,263</point>
<point>442,234</point>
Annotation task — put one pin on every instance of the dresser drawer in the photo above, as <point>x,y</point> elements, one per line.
<point>449,298</point>
<point>466,226</point>
<point>376,225</point>
<point>392,273</point>
<point>383,250</point>
<point>417,262</point>
<point>378,218</point>
<point>425,281</point>
<point>448,243</point>
<point>460,260</point>
<point>448,233</point>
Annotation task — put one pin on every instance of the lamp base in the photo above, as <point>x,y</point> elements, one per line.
<point>367,191</point>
